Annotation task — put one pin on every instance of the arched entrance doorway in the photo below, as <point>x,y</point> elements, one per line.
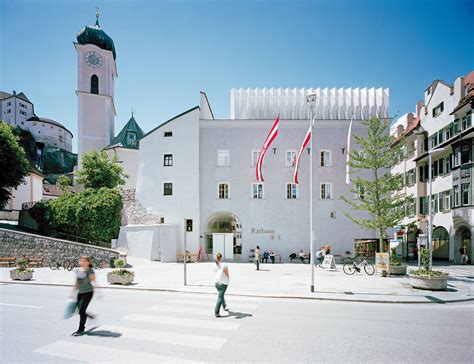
<point>463,238</point>
<point>223,234</point>
<point>440,244</point>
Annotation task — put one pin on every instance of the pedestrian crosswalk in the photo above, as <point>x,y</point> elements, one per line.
<point>458,271</point>
<point>184,322</point>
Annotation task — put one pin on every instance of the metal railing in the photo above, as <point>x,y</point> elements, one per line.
<point>80,239</point>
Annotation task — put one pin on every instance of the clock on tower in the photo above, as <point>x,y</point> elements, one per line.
<point>96,73</point>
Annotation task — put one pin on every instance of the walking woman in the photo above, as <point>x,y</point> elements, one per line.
<point>222,281</point>
<point>84,279</point>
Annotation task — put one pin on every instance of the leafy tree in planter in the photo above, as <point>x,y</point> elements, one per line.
<point>14,163</point>
<point>99,171</point>
<point>377,187</point>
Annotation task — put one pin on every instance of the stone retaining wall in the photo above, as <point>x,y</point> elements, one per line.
<point>16,244</point>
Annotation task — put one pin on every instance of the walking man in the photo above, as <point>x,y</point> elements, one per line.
<point>257,257</point>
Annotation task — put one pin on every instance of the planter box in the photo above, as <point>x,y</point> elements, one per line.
<point>118,279</point>
<point>26,276</point>
<point>439,283</point>
<point>397,270</point>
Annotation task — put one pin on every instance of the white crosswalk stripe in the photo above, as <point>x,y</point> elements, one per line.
<point>209,311</point>
<point>101,354</point>
<point>167,337</point>
<point>189,323</point>
<point>210,304</point>
<point>179,321</point>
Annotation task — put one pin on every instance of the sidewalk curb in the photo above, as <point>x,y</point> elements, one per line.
<point>467,299</point>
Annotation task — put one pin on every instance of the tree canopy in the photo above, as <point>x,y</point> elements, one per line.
<point>99,171</point>
<point>14,165</point>
<point>377,188</point>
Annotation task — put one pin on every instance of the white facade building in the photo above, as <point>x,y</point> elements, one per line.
<point>197,167</point>
<point>443,126</point>
<point>18,110</point>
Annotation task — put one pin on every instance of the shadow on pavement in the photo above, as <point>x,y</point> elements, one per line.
<point>435,300</point>
<point>102,333</point>
<point>239,315</point>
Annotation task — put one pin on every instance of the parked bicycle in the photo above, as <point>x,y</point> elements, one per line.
<point>351,268</point>
<point>61,263</point>
<point>99,263</point>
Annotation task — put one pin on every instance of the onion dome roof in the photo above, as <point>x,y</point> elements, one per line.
<point>93,34</point>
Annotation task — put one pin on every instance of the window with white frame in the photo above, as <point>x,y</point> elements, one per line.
<point>447,200</point>
<point>167,189</point>
<point>290,160</point>
<point>326,191</point>
<point>223,158</point>
<point>257,191</point>
<point>168,160</point>
<point>255,156</point>
<point>291,191</point>
<point>223,190</point>
<point>325,158</point>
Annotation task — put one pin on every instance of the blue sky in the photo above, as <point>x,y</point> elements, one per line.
<point>168,51</point>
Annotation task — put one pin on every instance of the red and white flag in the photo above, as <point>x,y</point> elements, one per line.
<point>306,140</point>
<point>270,138</point>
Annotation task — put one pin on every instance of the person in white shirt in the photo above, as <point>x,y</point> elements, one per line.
<point>221,281</point>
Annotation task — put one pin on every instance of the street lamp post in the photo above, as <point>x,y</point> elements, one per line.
<point>311,100</point>
<point>430,207</point>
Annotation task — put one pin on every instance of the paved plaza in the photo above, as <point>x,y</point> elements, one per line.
<point>277,280</point>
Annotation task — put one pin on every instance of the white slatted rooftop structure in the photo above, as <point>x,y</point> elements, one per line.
<point>331,103</point>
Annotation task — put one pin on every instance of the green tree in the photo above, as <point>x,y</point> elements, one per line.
<point>99,171</point>
<point>27,142</point>
<point>377,187</point>
<point>14,165</point>
<point>92,214</point>
<point>64,183</point>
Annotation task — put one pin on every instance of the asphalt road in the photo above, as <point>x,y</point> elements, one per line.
<point>135,326</point>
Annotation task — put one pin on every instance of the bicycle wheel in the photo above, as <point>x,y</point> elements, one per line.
<point>53,265</point>
<point>369,269</point>
<point>66,264</point>
<point>349,269</point>
<point>102,264</point>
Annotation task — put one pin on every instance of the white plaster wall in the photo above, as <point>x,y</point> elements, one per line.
<point>289,219</point>
<point>15,117</point>
<point>31,190</point>
<point>128,159</point>
<point>184,174</point>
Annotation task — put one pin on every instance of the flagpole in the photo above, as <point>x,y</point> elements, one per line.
<point>311,100</point>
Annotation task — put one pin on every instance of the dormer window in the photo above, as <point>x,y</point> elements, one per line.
<point>131,137</point>
<point>438,110</point>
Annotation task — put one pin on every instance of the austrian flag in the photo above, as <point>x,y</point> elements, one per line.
<point>306,140</point>
<point>270,138</point>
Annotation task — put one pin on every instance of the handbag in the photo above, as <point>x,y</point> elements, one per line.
<point>71,306</point>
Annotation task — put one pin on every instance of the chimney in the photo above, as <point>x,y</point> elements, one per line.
<point>410,118</point>
<point>399,130</point>
<point>419,105</point>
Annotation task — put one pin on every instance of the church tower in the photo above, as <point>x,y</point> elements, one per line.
<point>96,73</point>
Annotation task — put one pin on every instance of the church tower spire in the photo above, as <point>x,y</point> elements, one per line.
<point>96,73</point>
